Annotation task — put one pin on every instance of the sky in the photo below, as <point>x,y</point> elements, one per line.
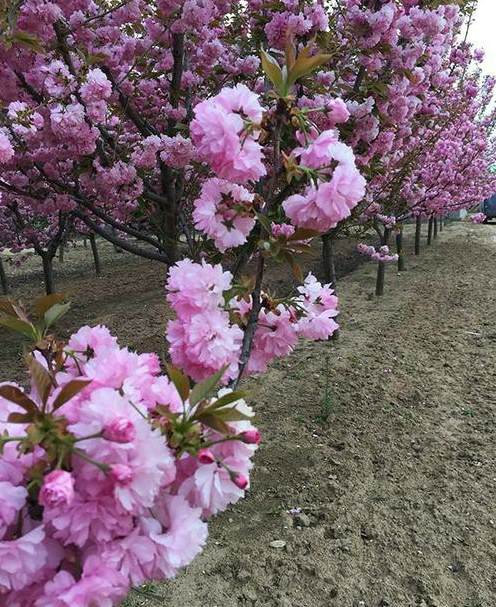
<point>482,33</point>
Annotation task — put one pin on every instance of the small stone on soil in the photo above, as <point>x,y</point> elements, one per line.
<point>278,544</point>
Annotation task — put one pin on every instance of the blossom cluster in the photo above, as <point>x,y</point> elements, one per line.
<point>225,132</point>
<point>478,218</point>
<point>207,336</point>
<point>99,490</point>
<point>330,200</point>
<point>382,254</point>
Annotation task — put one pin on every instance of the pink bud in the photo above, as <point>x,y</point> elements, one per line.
<point>57,490</point>
<point>205,456</point>
<point>240,481</point>
<point>121,474</point>
<point>120,430</point>
<point>251,437</point>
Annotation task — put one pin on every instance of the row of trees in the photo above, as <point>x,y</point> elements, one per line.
<point>98,106</point>
<point>204,134</point>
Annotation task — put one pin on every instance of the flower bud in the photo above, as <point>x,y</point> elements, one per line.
<point>120,430</point>
<point>240,481</point>
<point>57,489</point>
<point>251,437</point>
<point>205,456</point>
<point>121,474</point>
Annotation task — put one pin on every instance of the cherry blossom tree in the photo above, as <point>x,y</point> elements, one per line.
<point>218,138</point>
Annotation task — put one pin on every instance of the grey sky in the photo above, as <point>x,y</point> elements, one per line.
<point>482,33</point>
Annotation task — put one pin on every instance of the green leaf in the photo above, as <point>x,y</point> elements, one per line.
<point>290,55</point>
<point>41,378</point>
<point>70,390</point>
<point>180,381</point>
<point>306,64</point>
<point>265,221</point>
<point>43,304</point>
<point>7,307</point>
<point>216,424</point>
<point>19,326</point>
<point>53,314</point>
<point>203,389</point>
<point>297,273</point>
<point>216,408</point>
<point>233,415</point>
<point>17,396</point>
<point>227,399</point>
<point>19,418</point>
<point>272,71</point>
<point>164,411</point>
<point>27,39</point>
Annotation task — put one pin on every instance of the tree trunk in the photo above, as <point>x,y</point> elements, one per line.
<point>3,278</point>
<point>418,233</point>
<point>399,250</point>
<point>429,232</point>
<point>381,267</point>
<point>328,259</point>
<point>61,252</point>
<point>48,273</point>
<point>441,224</point>
<point>85,243</point>
<point>435,227</point>
<point>329,263</point>
<point>96,257</point>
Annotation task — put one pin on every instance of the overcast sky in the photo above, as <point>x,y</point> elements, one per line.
<point>483,34</point>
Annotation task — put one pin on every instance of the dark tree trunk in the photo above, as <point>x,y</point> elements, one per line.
<point>170,244</point>
<point>429,232</point>
<point>3,279</point>
<point>48,273</point>
<point>435,227</point>
<point>329,263</point>
<point>418,234</point>
<point>328,259</point>
<point>381,267</point>
<point>399,250</point>
<point>96,256</point>
<point>441,224</point>
<point>85,243</point>
<point>61,252</point>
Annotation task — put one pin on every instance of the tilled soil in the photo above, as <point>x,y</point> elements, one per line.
<point>381,443</point>
<point>385,440</point>
<point>128,297</point>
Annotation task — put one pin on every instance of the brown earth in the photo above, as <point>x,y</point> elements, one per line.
<point>384,440</point>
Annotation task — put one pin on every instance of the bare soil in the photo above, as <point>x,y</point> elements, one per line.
<point>384,439</point>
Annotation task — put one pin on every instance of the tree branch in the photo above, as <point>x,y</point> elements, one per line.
<point>119,242</point>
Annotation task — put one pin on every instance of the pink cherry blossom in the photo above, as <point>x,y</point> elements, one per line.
<point>194,288</point>
<point>57,489</point>
<point>224,212</point>
<point>218,132</point>
<point>12,499</point>
<point>96,87</point>
<point>205,343</point>
<point>119,430</point>
<point>6,149</point>
<point>23,560</point>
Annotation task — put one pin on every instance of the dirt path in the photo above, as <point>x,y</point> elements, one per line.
<point>397,488</point>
